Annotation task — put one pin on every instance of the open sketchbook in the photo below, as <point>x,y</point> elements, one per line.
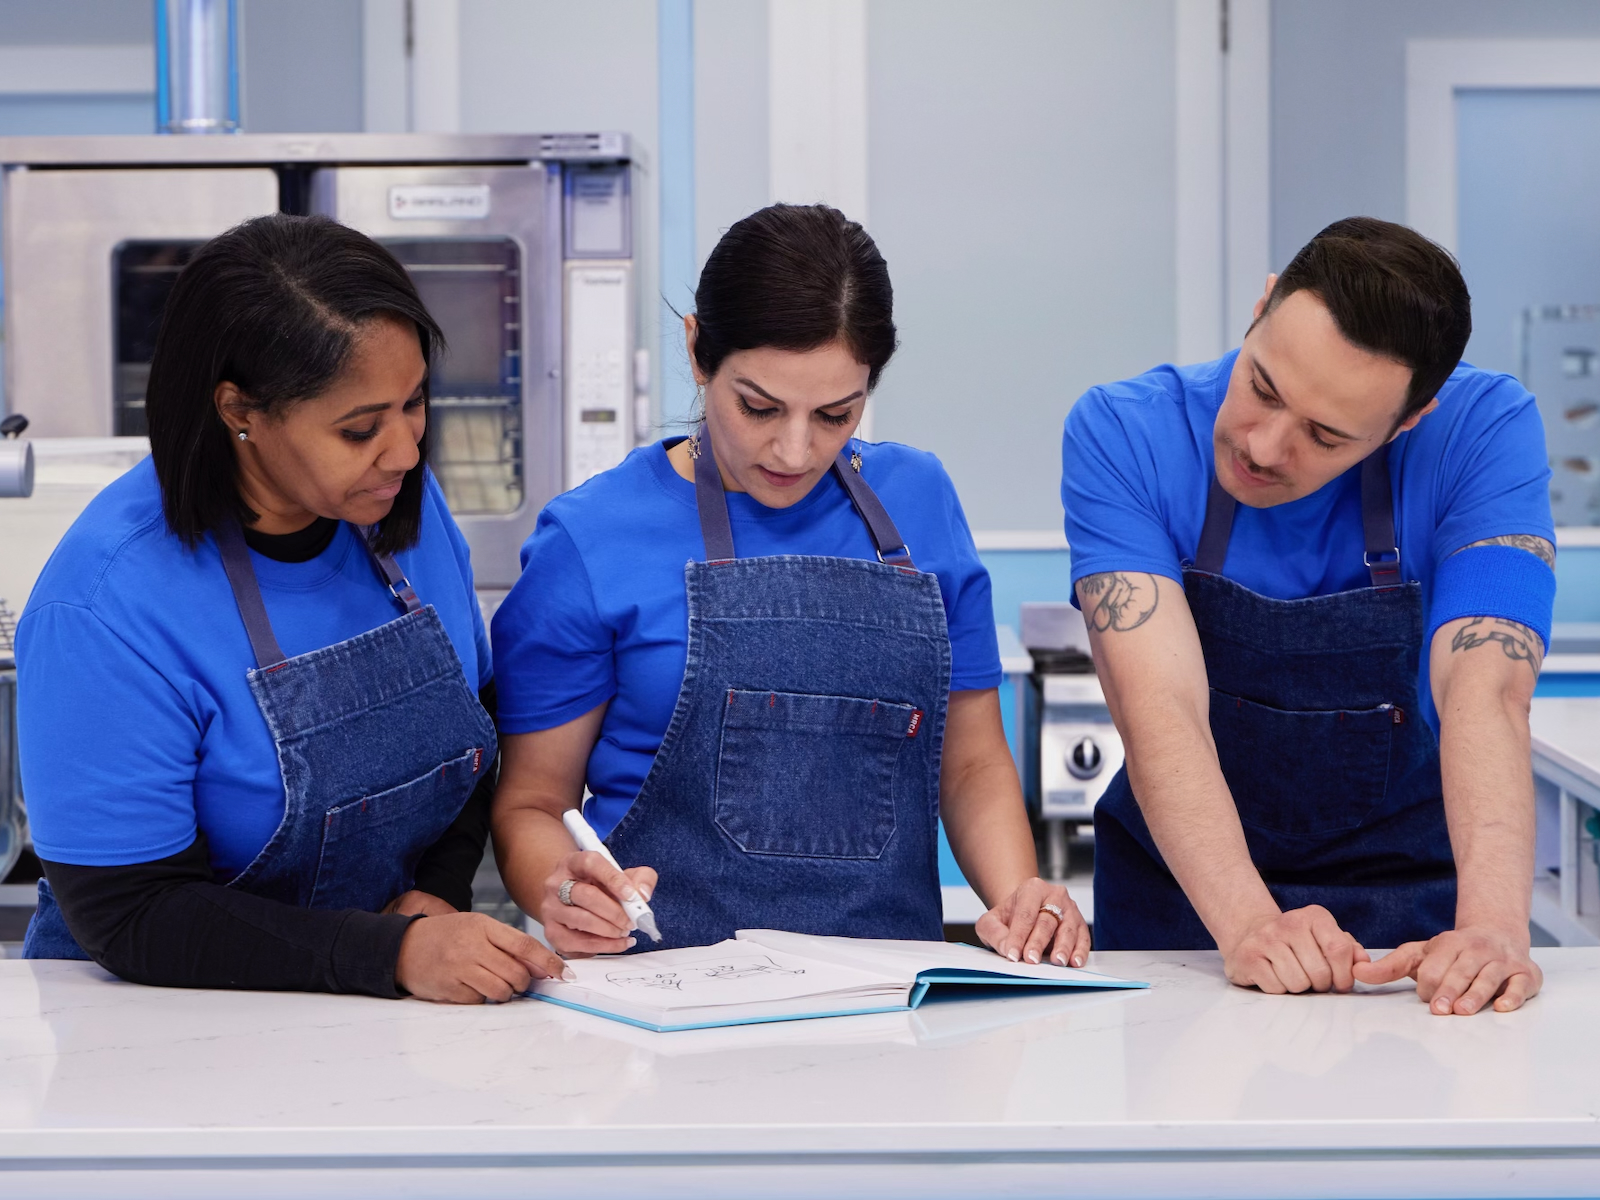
<point>767,975</point>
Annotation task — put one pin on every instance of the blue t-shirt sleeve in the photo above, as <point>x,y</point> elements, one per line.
<point>109,748</point>
<point>1495,475</point>
<point>1494,481</point>
<point>969,608</point>
<point>1108,490</point>
<point>553,655</point>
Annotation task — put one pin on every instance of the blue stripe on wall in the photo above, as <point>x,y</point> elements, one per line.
<point>675,50</point>
<point>1018,575</point>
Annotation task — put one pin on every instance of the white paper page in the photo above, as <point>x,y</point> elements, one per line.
<point>729,973</point>
<point>906,959</point>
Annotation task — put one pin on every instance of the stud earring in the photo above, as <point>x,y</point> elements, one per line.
<point>244,435</point>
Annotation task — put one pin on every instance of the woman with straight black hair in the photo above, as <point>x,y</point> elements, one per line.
<point>250,675</point>
<point>772,733</point>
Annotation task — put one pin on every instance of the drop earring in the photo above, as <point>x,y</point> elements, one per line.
<point>855,456</point>
<point>699,421</point>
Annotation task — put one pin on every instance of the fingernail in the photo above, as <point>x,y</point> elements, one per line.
<point>1012,955</point>
<point>1467,1006</point>
<point>569,975</point>
<point>1033,956</point>
<point>632,942</point>
<point>1078,962</point>
<point>1441,1004</point>
<point>1059,959</point>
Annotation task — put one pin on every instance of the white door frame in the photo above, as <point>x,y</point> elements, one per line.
<point>1436,69</point>
<point>1224,184</point>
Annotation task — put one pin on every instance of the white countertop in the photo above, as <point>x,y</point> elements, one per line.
<point>1191,1088</point>
<point>1566,741</point>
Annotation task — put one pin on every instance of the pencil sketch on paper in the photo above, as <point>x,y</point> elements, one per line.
<point>665,980</point>
<point>748,967</point>
<point>735,969</point>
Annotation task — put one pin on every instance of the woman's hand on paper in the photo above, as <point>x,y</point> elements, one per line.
<point>1022,929</point>
<point>468,958</point>
<point>594,923</point>
<point>415,903</point>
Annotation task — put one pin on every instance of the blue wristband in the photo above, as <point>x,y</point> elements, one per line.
<point>1493,581</point>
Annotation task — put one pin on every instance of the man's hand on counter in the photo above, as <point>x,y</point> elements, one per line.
<point>1297,951</point>
<point>1461,970</point>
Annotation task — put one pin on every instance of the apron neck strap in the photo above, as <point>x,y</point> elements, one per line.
<point>891,547</point>
<point>712,502</point>
<point>1381,556</point>
<point>399,586</point>
<point>1214,534</point>
<point>711,499</point>
<point>247,595</point>
<point>247,591</point>
<point>1377,520</point>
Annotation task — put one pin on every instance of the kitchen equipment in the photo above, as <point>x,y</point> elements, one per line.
<point>520,245</point>
<point>1071,747</point>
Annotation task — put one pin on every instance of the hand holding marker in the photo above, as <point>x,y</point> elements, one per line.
<point>638,911</point>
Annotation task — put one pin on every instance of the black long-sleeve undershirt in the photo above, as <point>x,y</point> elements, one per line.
<point>168,922</point>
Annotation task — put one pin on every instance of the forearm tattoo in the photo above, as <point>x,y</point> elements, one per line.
<point>1516,641</point>
<point>1536,546</point>
<point>1117,600</point>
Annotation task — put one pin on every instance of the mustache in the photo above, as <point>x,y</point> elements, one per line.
<point>1244,456</point>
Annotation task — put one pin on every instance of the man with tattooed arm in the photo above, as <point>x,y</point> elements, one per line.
<point>1318,579</point>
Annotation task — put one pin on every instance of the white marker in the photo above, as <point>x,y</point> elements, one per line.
<point>638,911</point>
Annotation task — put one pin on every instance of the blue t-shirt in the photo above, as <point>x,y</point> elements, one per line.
<point>1137,465</point>
<point>600,613</point>
<point>138,726</point>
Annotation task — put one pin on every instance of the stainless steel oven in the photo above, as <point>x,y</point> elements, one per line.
<point>522,247</point>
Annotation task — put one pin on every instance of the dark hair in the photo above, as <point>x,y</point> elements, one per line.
<point>795,277</point>
<point>1391,291</point>
<point>272,306</point>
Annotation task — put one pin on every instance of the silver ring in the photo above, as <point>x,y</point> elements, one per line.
<point>1054,911</point>
<point>565,892</point>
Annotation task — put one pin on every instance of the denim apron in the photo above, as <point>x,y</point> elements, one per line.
<point>797,786</point>
<point>1320,735</point>
<point>380,742</point>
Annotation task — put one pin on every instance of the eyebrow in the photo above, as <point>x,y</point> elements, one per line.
<point>362,410</point>
<point>766,395</point>
<point>1272,388</point>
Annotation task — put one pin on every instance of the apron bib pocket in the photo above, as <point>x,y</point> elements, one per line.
<point>383,830</point>
<point>834,796</point>
<point>1303,774</point>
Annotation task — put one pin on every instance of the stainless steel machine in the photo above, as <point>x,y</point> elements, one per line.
<point>521,246</point>
<point>1072,749</point>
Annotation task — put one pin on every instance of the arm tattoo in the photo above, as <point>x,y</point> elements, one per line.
<point>1118,600</point>
<point>1516,641</point>
<point>1536,546</point>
